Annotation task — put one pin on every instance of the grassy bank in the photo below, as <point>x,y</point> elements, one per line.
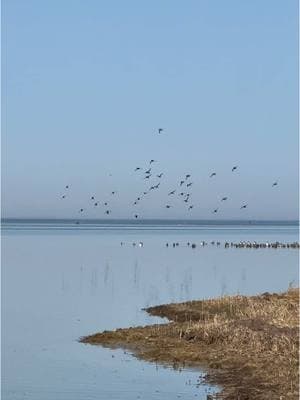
<point>248,345</point>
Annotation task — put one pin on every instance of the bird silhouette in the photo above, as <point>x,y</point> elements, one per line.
<point>160,175</point>
<point>224,198</point>
<point>96,204</point>
<point>173,191</point>
<point>275,184</point>
<point>92,198</point>
<point>213,174</point>
<point>148,171</point>
<point>113,193</point>
<point>157,186</point>
<point>67,187</point>
<point>81,210</point>
<point>151,161</point>
<point>189,184</point>
<point>136,216</point>
<point>190,207</point>
<point>181,183</point>
<point>187,176</point>
<point>63,197</point>
<point>234,168</point>
<point>168,206</point>
<point>160,130</point>
<point>137,169</point>
<point>244,206</point>
<point>107,212</point>
<point>147,176</point>
<point>215,211</point>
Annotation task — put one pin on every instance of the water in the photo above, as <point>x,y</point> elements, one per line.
<point>61,282</point>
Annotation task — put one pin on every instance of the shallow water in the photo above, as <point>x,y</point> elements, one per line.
<point>61,282</point>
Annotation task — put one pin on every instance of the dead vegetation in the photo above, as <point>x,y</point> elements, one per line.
<point>248,345</point>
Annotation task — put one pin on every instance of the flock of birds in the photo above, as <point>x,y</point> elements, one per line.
<point>183,189</point>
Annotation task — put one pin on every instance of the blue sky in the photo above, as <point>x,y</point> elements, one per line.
<point>86,85</point>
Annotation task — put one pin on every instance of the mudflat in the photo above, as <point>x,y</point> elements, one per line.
<point>248,345</point>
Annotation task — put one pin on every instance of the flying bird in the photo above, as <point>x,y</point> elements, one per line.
<point>81,210</point>
<point>105,204</point>
<point>275,184</point>
<point>224,198</point>
<point>173,191</point>
<point>92,198</point>
<point>187,176</point>
<point>244,206</point>
<point>157,186</point>
<point>213,174</point>
<point>135,216</point>
<point>189,184</point>
<point>67,187</point>
<point>234,168</point>
<point>113,192</point>
<point>151,161</point>
<point>160,175</point>
<point>96,204</point>
<point>167,206</point>
<point>190,207</point>
<point>107,212</point>
<point>215,211</point>
<point>181,183</point>
<point>148,171</point>
<point>137,169</point>
<point>160,130</point>
<point>147,176</point>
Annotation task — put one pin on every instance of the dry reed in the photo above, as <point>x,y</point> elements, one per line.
<point>248,345</point>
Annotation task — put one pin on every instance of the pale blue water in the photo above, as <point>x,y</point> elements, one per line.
<point>60,282</point>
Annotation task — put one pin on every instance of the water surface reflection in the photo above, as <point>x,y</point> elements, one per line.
<point>60,285</point>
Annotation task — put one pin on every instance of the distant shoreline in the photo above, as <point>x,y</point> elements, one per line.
<point>151,222</point>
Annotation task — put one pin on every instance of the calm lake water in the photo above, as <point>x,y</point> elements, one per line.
<point>61,282</point>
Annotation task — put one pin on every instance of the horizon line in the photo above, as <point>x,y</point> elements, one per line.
<point>136,221</point>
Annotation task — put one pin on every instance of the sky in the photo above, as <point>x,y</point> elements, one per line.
<point>87,84</point>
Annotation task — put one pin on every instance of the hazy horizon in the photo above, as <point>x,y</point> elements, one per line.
<point>155,220</point>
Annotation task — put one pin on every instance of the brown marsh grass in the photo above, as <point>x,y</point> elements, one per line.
<point>248,345</point>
